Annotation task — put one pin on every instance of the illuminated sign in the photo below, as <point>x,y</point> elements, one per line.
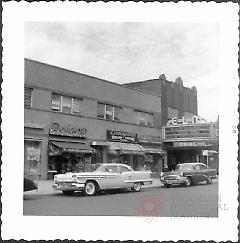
<point>150,139</point>
<point>189,144</point>
<point>193,120</point>
<point>122,136</point>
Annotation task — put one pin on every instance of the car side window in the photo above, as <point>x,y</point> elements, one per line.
<point>196,167</point>
<point>113,168</point>
<point>203,167</point>
<point>123,169</point>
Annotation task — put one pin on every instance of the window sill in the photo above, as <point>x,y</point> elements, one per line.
<point>59,112</point>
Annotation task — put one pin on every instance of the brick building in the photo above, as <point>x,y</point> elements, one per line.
<point>176,100</point>
<point>72,119</point>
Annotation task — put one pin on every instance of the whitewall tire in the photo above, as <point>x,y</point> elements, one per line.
<point>90,188</point>
<point>137,187</point>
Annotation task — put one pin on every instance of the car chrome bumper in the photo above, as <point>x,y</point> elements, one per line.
<point>68,186</point>
<point>177,181</point>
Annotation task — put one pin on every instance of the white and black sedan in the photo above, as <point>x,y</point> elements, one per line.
<point>106,176</point>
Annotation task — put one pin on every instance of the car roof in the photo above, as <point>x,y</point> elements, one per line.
<point>192,164</point>
<point>107,164</point>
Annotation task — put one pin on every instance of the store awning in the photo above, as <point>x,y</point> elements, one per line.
<point>125,148</point>
<point>153,150</point>
<point>74,147</point>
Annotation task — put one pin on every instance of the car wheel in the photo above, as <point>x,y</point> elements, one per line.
<point>68,193</point>
<point>188,182</point>
<point>209,180</point>
<point>136,187</point>
<point>167,185</point>
<point>90,188</point>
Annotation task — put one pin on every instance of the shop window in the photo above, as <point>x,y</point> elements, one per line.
<point>32,152</point>
<point>27,97</point>
<point>108,112</point>
<point>149,158</point>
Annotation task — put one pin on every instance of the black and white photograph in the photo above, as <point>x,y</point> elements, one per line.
<point>132,121</point>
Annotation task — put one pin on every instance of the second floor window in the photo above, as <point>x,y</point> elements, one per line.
<point>27,97</point>
<point>144,118</point>
<point>108,112</point>
<point>66,104</point>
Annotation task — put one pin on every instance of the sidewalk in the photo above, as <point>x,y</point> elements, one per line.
<point>45,187</point>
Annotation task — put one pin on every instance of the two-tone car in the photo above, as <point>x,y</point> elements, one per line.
<point>188,174</point>
<point>105,176</point>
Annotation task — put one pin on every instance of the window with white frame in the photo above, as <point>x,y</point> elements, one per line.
<point>27,97</point>
<point>56,102</point>
<point>144,118</point>
<point>66,104</point>
<point>108,112</point>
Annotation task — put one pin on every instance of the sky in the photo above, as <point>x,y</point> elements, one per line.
<point>124,52</point>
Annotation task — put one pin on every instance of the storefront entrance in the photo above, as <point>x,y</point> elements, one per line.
<point>183,156</point>
<point>68,157</point>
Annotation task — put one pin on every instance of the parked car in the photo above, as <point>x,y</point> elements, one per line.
<point>29,185</point>
<point>105,176</point>
<point>188,174</point>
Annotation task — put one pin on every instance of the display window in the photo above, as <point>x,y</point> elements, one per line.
<point>32,153</point>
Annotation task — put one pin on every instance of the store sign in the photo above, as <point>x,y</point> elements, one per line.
<point>56,129</point>
<point>189,144</point>
<point>121,136</point>
<point>33,153</point>
<point>150,139</point>
<point>182,121</point>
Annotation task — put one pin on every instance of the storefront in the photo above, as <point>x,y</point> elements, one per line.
<point>155,157</point>
<point>123,148</point>
<point>32,150</point>
<point>68,150</point>
<point>185,141</point>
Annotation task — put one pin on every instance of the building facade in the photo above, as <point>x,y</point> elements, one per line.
<point>176,100</point>
<point>72,120</point>
<point>191,140</point>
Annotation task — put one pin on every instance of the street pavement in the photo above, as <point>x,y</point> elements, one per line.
<point>152,201</point>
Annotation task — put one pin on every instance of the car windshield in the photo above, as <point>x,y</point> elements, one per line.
<point>184,167</point>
